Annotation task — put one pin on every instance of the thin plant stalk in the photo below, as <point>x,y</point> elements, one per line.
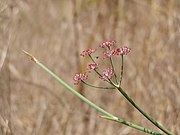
<point>122,68</point>
<point>98,87</point>
<point>112,64</point>
<point>108,115</point>
<point>135,105</point>
<point>142,112</point>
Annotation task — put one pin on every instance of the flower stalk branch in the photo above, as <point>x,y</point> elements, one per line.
<point>98,87</point>
<point>142,111</point>
<point>122,68</point>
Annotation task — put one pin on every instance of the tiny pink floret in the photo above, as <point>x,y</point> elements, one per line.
<point>88,52</point>
<point>79,77</point>
<point>108,43</point>
<point>107,74</point>
<point>109,53</point>
<point>123,50</point>
<point>93,66</point>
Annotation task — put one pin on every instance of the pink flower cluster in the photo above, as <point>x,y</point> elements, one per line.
<point>88,52</point>
<point>107,74</point>
<point>93,66</point>
<point>80,77</point>
<point>108,52</point>
<point>123,50</point>
<point>118,51</point>
<point>108,43</point>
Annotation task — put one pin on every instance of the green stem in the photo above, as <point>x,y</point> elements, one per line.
<point>107,114</point>
<point>142,111</point>
<point>122,68</point>
<point>74,91</point>
<point>139,128</point>
<point>112,64</point>
<point>98,87</point>
<point>92,58</point>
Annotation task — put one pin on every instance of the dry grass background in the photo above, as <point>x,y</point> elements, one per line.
<point>55,31</point>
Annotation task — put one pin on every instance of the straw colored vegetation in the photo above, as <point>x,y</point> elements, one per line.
<point>56,31</point>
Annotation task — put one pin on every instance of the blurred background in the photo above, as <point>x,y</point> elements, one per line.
<point>56,31</point>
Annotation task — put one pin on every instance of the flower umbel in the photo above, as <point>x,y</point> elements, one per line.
<point>109,53</point>
<point>93,66</point>
<point>107,74</point>
<point>88,52</point>
<point>123,50</point>
<point>79,77</point>
<point>108,43</point>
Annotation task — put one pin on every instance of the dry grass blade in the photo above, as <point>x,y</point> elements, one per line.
<point>4,126</point>
<point>31,56</point>
<point>3,57</point>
